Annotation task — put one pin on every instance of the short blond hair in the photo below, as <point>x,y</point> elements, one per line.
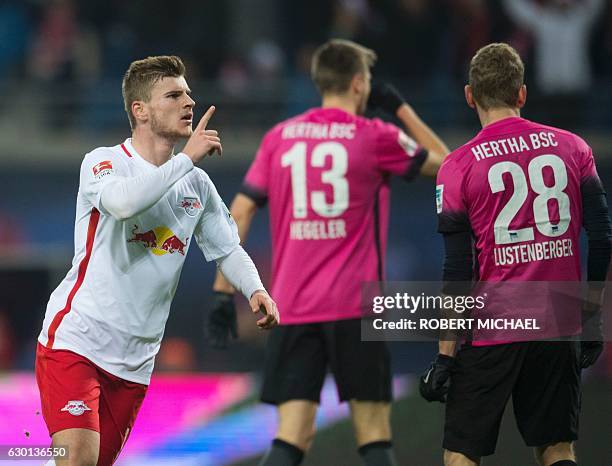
<point>496,76</point>
<point>335,63</point>
<point>143,74</point>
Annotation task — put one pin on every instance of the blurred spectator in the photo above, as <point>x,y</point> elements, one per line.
<point>408,45</point>
<point>349,16</point>
<point>301,92</point>
<point>74,52</point>
<point>266,60</point>
<point>602,44</point>
<point>234,77</point>
<point>470,28</point>
<point>14,35</point>
<point>11,233</point>
<point>304,22</point>
<point>61,48</point>
<point>561,29</point>
<point>64,53</point>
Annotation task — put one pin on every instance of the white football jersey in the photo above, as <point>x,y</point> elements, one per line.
<point>113,304</point>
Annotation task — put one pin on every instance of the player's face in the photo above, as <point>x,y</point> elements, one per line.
<point>171,108</point>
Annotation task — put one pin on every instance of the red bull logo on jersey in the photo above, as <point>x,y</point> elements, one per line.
<point>160,240</point>
<point>76,407</point>
<point>191,205</point>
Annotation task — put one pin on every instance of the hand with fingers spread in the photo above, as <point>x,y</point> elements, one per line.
<point>203,141</point>
<point>262,302</point>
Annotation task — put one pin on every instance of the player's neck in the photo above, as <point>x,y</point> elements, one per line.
<point>338,101</point>
<point>154,149</point>
<point>489,117</point>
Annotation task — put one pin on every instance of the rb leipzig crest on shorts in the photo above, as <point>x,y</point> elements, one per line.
<point>191,205</point>
<point>76,407</point>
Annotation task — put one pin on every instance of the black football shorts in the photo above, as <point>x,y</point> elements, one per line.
<point>298,356</point>
<point>543,378</point>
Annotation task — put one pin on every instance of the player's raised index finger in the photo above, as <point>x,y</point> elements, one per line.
<point>207,116</point>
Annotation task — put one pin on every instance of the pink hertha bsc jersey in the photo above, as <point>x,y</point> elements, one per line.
<point>516,187</point>
<point>325,174</point>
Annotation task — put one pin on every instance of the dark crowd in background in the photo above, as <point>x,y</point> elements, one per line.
<point>240,46</point>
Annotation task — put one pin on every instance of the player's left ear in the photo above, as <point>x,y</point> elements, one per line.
<point>522,96</point>
<point>139,110</point>
<point>358,84</point>
<point>469,97</point>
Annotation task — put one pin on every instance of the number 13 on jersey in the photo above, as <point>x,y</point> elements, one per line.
<point>296,158</point>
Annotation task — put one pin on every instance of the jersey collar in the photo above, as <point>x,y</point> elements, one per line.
<point>134,154</point>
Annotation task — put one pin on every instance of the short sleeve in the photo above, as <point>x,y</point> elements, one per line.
<point>450,201</point>
<point>588,171</point>
<point>255,184</point>
<point>99,168</point>
<point>216,232</point>
<point>396,152</point>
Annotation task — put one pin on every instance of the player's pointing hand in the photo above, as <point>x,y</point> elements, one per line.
<point>262,302</point>
<point>203,141</point>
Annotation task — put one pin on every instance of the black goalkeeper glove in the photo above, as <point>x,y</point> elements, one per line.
<point>386,97</point>
<point>590,352</point>
<point>222,320</point>
<point>434,383</point>
<point>591,345</point>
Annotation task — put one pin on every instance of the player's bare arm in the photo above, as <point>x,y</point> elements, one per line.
<point>386,97</point>
<point>203,141</point>
<point>447,347</point>
<point>426,137</point>
<point>243,210</point>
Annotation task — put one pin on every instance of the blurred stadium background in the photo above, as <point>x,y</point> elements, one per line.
<point>61,64</point>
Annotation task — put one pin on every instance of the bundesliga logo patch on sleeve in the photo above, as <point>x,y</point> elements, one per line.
<point>439,198</point>
<point>102,169</point>
<point>407,143</point>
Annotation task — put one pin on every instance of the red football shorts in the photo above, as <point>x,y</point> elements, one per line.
<point>75,393</point>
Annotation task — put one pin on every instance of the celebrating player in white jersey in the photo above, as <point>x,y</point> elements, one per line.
<point>138,208</point>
